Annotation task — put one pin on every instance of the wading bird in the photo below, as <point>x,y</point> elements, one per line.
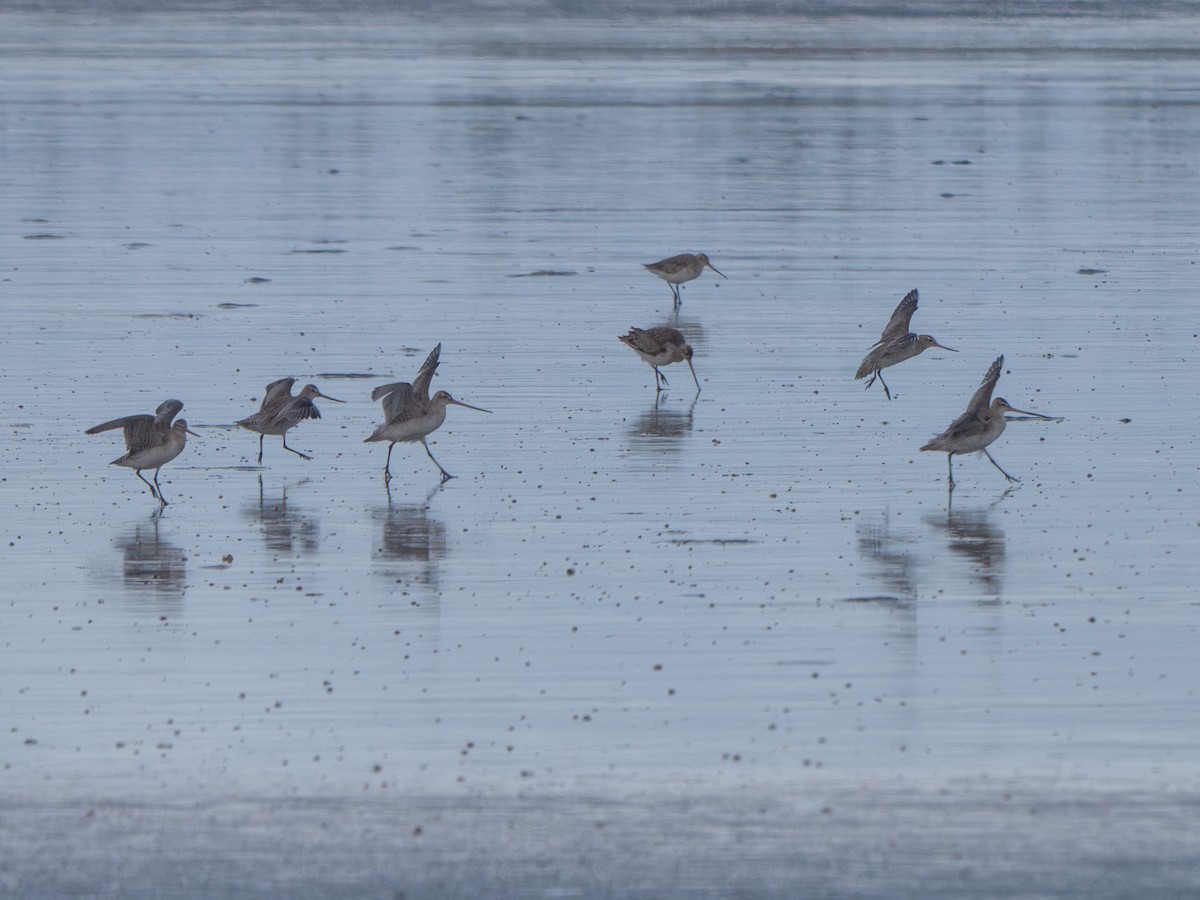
<point>675,270</point>
<point>660,346</point>
<point>980,425</point>
<point>280,412</point>
<point>151,441</point>
<point>410,414</point>
<point>896,344</point>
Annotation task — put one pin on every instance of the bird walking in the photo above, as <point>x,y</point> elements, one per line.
<point>151,441</point>
<point>896,344</point>
<point>280,412</point>
<point>980,425</point>
<point>675,270</point>
<point>410,414</point>
<point>660,346</point>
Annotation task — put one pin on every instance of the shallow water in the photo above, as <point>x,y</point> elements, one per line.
<point>738,616</point>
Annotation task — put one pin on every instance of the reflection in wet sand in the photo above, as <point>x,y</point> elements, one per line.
<point>410,535</point>
<point>972,534</point>
<point>285,530</point>
<point>151,564</point>
<point>691,328</point>
<point>893,561</point>
<point>662,425</point>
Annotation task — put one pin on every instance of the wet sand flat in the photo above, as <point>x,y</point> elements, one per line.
<point>689,645</point>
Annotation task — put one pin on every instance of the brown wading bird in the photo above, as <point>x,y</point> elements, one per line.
<point>150,441</point>
<point>675,270</point>
<point>410,414</point>
<point>660,346</point>
<point>980,425</point>
<point>280,412</point>
<point>896,344</point>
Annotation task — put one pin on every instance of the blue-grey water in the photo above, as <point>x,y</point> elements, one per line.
<point>737,643</point>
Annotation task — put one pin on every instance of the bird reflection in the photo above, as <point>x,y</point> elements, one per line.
<point>893,562</point>
<point>151,564</point>
<point>973,535</point>
<point>692,328</point>
<point>662,424</point>
<point>411,535</point>
<point>285,529</point>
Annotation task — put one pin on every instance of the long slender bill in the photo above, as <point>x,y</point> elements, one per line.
<point>468,406</point>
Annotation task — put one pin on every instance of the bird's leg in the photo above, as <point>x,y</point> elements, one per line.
<point>884,383</point>
<point>675,293</point>
<point>446,476</point>
<point>290,450</point>
<point>874,375</point>
<point>660,378</point>
<point>387,466</point>
<point>153,492</point>
<point>260,448</point>
<point>1010,478</point>
<point>161,499</point>
<point>950,469</point>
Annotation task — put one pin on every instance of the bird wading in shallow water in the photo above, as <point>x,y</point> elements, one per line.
<point>280,412</point>
<point>896,344</point>
<point>410,414</point>
<point>675,270</point>
<point>980,425</point>
<point>151,441</point>
<point>660,346</point>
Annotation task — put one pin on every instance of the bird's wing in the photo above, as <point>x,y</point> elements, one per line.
<point>640,339</point>
<point>139,430</point>
<point>665,334</point>
<point>968,423</point>
<point>897,325</point>
<point>296,411</point>
<point>400,404</point>
<point>671,264</point>
<point>277,392</point>
<point>167,410</point>
<point>384,389</point>
<point>119,423</point>
<point>982,398</point>
<point>420,384</point>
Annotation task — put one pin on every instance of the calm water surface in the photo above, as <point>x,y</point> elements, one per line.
<point>745,628</point>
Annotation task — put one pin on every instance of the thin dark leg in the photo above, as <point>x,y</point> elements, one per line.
<point>153,492</point>
<point>1010,478</point>
<point>659,379</point>
<point>161,498</point>
<point>297,452</point>
<point>879,374</point>
<point>675,293</point>
<point>950,468</point>
<point>387,466</point>
<point>871,380</point>
<point>446,476</point>
<point>260,440</point>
